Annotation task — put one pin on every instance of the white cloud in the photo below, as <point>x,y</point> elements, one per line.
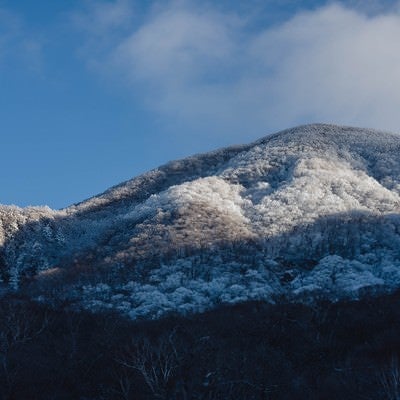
<point>335,65</point>
<point>206,68</point>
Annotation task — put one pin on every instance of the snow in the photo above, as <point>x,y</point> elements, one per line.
<point>313,209</point>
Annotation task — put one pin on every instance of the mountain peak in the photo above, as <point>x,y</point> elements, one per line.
<point>312,137</point>
<point>331,134</point>
<point>317,204</point>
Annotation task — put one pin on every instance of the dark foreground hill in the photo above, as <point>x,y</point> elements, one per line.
<point>255,351</point>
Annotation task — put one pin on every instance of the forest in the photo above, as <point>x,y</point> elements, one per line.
<point>254,350</point>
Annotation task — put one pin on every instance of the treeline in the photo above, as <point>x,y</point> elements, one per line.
<point>347,350</point>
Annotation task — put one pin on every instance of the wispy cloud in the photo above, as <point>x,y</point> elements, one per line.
<point>373,7</point>
<point>99,19</point>
<point>204,67</point>
<point>17,45</point>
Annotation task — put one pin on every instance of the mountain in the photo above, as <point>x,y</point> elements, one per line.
<point>310,212</point>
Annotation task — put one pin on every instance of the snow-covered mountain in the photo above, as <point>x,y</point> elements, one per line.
<point>308,212</point>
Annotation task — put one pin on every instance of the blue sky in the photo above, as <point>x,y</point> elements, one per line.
<point>95,92</point>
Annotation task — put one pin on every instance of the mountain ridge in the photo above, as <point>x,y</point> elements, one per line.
<point>299,130</point>
<point>309,211</point>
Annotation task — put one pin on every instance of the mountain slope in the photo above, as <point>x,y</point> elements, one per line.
<point>312,210</point>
